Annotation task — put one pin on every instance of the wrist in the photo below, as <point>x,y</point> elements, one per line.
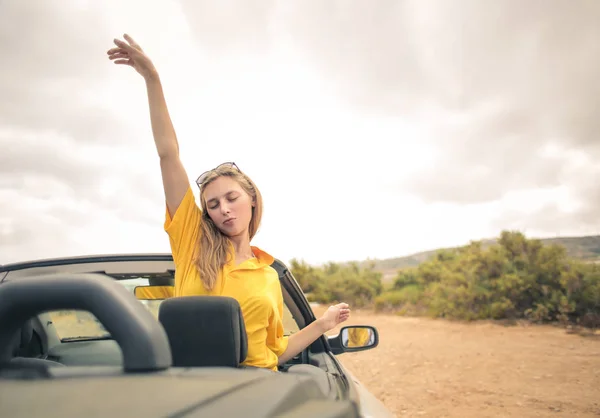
<point>321,324</point>
<point>152,76</point>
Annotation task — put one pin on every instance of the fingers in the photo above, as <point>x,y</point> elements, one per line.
<point>124,62</point>
<point>344,311</point>
<point>341,307</point>
<point>132,42</point>
<point>125,51</point>
<point>123,45</point>
<point>117,52</point>
<point>118,55</point>
<point>344,308</point>
<point>343,317</point>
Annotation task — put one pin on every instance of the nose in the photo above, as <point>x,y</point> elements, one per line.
<point>224,208</point>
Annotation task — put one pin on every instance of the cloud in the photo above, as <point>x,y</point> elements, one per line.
<point>367,50</point>
<point>54,189</point>
<point>569,209</point>
<point>40,155</point>
<point>230,25</point>
<point>53,61</point>
<point>360,46</point>
<point>455,54</point>
<point>417,124</point>
<point>495,83</point>
<point>483,154</point>
<point>78,169</point>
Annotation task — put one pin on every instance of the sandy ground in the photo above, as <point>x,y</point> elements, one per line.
<point>435,368</point>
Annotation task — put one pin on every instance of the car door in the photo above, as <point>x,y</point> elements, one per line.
<point>318,353</point>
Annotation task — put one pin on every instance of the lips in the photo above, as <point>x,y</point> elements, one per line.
<point>229,221</point>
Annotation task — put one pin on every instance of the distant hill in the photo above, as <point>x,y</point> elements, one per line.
<point>583,248</point>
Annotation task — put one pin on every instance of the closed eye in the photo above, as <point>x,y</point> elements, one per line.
<point>214,203</point>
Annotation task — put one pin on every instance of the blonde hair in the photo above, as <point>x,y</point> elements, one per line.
<point>358,337</point>
<point>214,249</point>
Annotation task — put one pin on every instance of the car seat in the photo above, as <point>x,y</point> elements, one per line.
<point>204,331</point>
<point>19,346</point>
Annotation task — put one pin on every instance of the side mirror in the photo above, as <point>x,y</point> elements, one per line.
<point>354,338</point>
<point>153,292</point>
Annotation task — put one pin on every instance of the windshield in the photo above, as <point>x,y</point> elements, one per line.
<point>75,325</point>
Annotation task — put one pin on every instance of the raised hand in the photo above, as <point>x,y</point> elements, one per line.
<point>130,53</point>
<point>334,316</point>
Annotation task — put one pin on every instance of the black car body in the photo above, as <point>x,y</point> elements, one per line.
<point>82,314</point>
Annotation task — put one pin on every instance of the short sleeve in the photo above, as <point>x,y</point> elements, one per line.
<point>183,228</point>
<point>276,340</point>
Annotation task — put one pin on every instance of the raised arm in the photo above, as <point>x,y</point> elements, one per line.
<point>174,176</point>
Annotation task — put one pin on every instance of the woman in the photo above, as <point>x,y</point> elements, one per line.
<point>359,337</point>
<point>211,245</point>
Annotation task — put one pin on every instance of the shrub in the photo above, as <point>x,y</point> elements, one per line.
<point>516,278</point>
<point>407,298</point>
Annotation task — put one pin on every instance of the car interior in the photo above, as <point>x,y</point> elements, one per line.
<point>220,342</point>
<point>55,339</point>
<point>139,363</point>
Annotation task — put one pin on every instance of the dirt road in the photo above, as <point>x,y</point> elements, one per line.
<point>435,368</point>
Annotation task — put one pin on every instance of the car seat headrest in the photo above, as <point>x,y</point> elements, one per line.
<point>22,338</point>
<point>204,331</point>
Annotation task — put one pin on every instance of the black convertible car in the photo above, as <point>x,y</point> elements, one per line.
<point>100,336</point>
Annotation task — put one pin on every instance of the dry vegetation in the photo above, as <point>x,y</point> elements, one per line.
<point>516,278</point>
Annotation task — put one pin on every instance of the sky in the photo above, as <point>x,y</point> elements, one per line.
<point>373,129</point>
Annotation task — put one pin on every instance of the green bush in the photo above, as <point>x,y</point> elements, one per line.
<point>516,278</point>
<point>335,283</point>
<point>407,298</point>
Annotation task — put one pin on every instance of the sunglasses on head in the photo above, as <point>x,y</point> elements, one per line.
<point>202,177</point>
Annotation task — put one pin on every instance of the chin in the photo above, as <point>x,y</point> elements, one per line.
<point>230,232</point>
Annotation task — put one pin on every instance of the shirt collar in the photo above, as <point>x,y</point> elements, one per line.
<point>263,259</point>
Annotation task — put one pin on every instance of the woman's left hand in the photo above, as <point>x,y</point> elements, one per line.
<point>335,315</point>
